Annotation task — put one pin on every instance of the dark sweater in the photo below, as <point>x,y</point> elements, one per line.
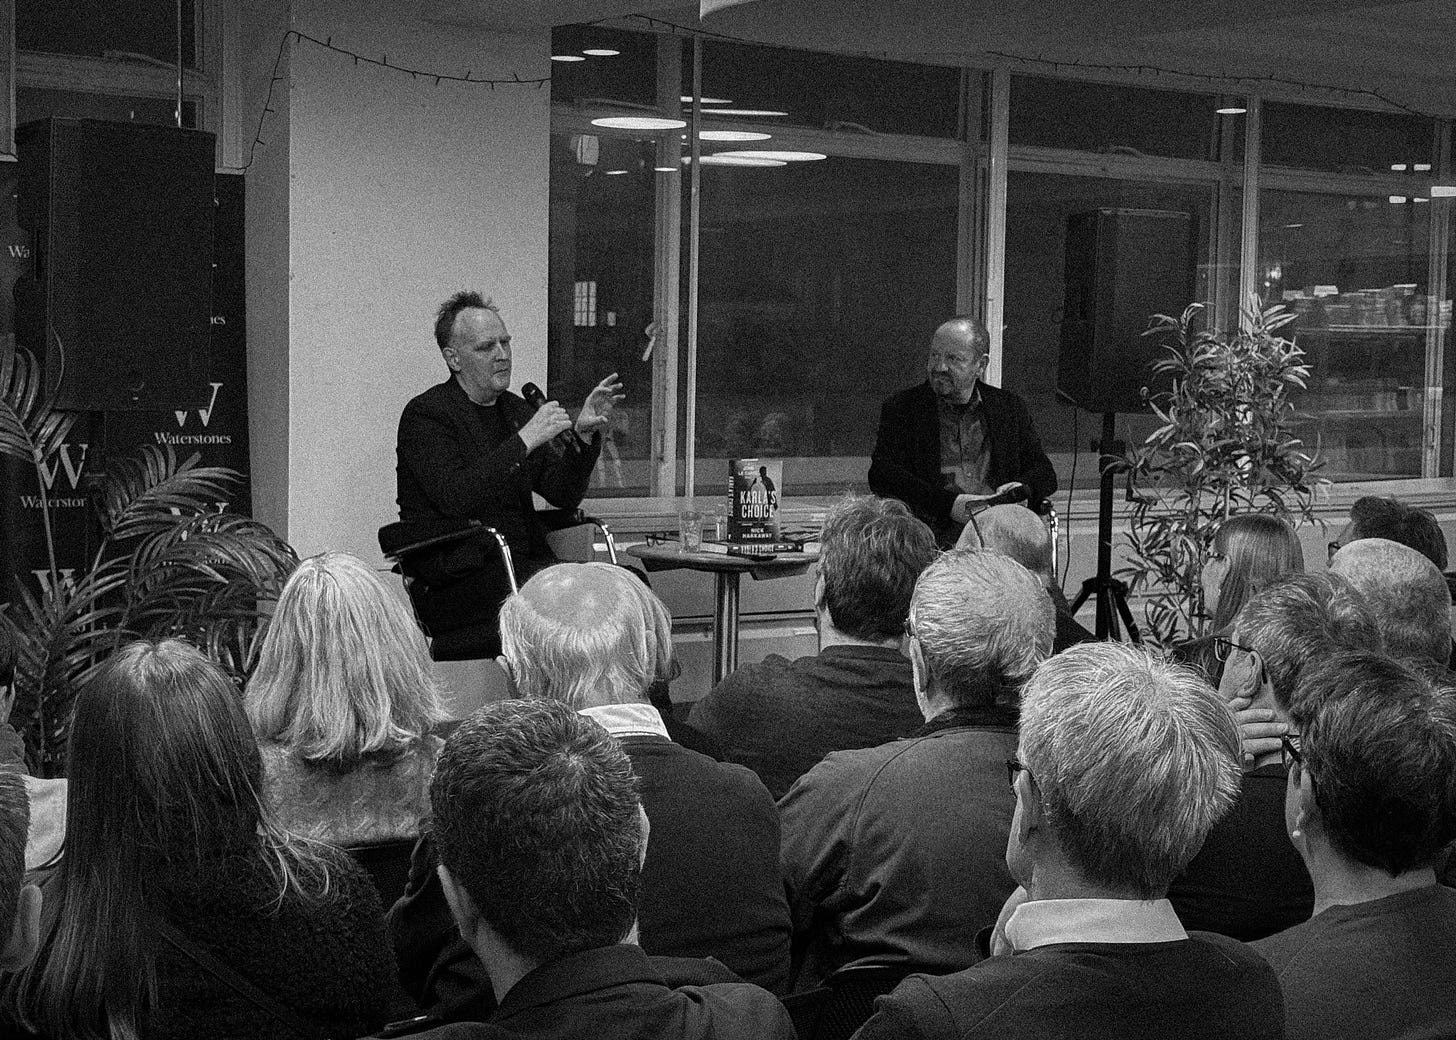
<point>781,717</point>
<point>1371,970</point>
<point>1205,987</point>
<point>1247,881</point>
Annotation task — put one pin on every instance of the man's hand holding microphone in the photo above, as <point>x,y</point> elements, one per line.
<point>552,421</point>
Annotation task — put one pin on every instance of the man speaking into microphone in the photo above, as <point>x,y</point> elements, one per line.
<point>468,448</point>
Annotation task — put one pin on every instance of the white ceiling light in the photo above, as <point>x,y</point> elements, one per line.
<point>1231,110</point>
<point>601,52</point>
<point>722,159</point>
<point>639,123</point>
<point>747,112</point>
<point>1422,167</point>
<point>733,135</point>
<point>1398,167</point>
<point>567,57</point>
<point>1397,199</point>
<point>664,169</point>
<point>615,173</point>
<point>1443,191</point>
<point>686,99</point>
<point>766,153</point>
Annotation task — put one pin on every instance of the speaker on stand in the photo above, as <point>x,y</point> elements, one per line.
<point>1122,267</point>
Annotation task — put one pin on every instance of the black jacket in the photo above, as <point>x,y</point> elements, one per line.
<point>906,462</point>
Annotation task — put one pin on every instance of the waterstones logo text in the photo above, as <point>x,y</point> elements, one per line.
<point>204,416</point>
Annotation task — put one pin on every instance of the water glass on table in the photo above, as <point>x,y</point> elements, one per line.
<point>690,530</point>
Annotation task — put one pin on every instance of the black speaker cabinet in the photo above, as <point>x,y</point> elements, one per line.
<point>1123,266</point>
<point>123,221</point>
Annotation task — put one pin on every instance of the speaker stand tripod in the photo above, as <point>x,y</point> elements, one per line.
<point>1110,592</point>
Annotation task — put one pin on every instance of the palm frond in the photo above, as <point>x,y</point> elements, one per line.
<point>145,494</point>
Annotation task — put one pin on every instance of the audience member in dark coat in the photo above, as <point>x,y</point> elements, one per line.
<point>781,717</point>
<point>1246,883</point>
<point>712,884</point>
<point>1124,763</point>
<point>541,839</point>
<point>1371,804</point>
<point>896,854</point>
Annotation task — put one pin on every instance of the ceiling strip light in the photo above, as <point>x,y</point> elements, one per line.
<point>639,123</point>
<point>768,153</point>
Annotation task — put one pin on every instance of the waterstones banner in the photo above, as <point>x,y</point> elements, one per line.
<point>217,429</point>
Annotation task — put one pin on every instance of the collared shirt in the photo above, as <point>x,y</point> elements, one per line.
<point>1048,922</point>
<point>628,720</point>
<point>965,457</point>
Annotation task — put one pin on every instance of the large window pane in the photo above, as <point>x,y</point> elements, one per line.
<point>1346,140</point>
<point>109,28</point>
<point>628,77</point>
<point>1355,270</point>
<point>1037,210</point>
<point>1105,117</point>
<point>821,284</point>
<point>600,290</point>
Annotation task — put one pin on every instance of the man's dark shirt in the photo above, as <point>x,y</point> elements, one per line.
<point>781,717</point>
<point>618,993</point>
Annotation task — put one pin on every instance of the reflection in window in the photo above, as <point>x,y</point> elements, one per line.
<point>31,104</point>
<point>1345,140</point>
<point>143,30</point>
<point>1109,118</point>
<point>1355,271</point>
<point>821,284</point>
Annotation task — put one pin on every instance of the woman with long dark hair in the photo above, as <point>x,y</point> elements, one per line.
<point>173,881</point>
<point>1248,552</point>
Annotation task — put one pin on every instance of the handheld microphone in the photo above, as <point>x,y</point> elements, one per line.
<point>533,396</point>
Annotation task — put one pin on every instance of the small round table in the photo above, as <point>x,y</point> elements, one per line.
<point>726,571</point>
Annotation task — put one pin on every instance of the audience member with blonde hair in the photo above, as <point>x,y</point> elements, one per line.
<point>342,703</point>
<point>170,857</point>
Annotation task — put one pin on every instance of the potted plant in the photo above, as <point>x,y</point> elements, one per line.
<point>168,564</point>
<point>1226,445</point>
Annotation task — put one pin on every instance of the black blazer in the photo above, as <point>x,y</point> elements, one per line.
<point>906,462</point>
<point>449,466</point>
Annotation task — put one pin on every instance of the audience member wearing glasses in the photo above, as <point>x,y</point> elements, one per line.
<point>1248,552</point>
<point>1246,881</point>
<point>174,880</point>
<point>1124,763</point>
<point>1371,802</point>
<point>893,855</point>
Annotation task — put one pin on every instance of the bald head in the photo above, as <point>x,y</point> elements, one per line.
<point>580,633</point>
<point>957,358</point>
<point>1406,593</point>
<point>1014,531</point>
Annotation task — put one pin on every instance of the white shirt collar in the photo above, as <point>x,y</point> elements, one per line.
<point>1047,922</point>
<point>628,720</point>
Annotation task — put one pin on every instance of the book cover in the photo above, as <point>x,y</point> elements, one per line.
<point>754,487</point>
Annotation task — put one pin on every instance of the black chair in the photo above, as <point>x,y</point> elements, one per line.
<point>851,998</point>
<point>804,1010</point>
<point>388,865</point>
<point>441,560</point>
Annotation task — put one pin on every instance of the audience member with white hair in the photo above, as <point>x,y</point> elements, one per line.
<point>1246,881</point>
<point>1124,763</point>
<point>1406,592</point>
<point>343,702</point>
<point>582,634</point>
<point>1371,803</point>
<point>1025,537</point>
<point>893,854</point>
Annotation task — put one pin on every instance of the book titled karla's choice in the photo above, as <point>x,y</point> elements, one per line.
<point>754,487</point>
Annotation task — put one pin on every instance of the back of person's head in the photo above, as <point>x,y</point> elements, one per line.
<point>1013,531</point>
<point>871,550</point>
<point>1301,618</point>
<point>536,818</point>
<point>19,902</point>
<point>579,633</point>
<point>1256,549</point>
<point>983,622</point>
<point>164,776</point>
<point>1385,517</point>
<point>1134,759</point>
<point>1378,739</point>
<point>344,672</point>
<point>1406,592</point>
<point>658,628</point>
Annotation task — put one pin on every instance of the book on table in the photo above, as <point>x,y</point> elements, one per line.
<point>755,487</point>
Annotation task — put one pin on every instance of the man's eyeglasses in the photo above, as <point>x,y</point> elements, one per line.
<point>1289,752</point>
<point>1244,672</point>
<point>1013,766</point>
